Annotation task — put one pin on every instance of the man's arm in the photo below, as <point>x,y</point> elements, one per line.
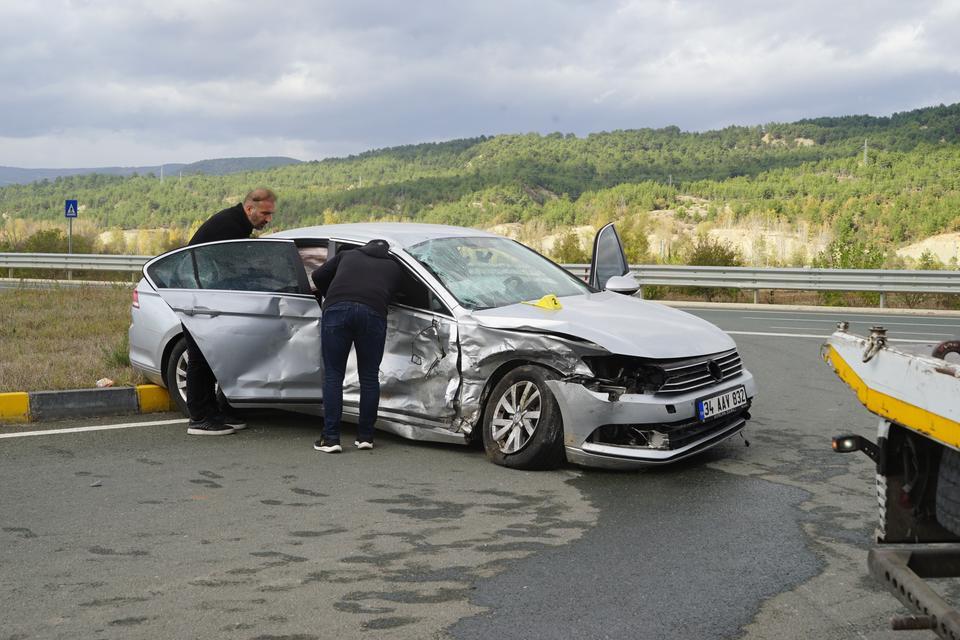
<point>323,276</point>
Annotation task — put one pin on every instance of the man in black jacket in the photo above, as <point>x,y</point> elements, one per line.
<point>356,286</point>
<point>210,415</point>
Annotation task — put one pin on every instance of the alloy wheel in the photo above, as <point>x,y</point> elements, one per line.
<point>181,376</point>
<point>516,416</point>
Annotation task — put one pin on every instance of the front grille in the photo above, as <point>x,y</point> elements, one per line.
<point>669,436</point>
<point>690,375</point>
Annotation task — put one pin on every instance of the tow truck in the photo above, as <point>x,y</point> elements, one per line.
<point>915,392</point>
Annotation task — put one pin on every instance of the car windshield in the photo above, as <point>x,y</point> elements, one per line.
<point>482,273</point>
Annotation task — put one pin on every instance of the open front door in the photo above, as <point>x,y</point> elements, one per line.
<point>247,303</point>
<point>609,259</point>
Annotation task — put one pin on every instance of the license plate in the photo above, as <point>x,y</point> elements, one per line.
<point>721,404</point>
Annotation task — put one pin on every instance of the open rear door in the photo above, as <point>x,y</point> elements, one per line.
<point>608,259</point>
<point>248,305</point>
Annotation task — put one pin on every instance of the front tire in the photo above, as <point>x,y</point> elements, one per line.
<point>176,375</point>
<point>522,425</point>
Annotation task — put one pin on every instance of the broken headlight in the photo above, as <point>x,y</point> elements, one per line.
<point>635,375</point>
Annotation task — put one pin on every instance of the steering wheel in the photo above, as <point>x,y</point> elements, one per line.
<point>513,283</point>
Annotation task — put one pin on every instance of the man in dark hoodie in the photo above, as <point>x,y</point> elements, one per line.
<point>356,287</point>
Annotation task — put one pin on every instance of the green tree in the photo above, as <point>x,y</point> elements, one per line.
<point>567,250</point>
<point>705,252</point>
<point>709,252</point>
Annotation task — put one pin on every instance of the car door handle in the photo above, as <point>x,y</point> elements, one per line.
<point>201,311</point>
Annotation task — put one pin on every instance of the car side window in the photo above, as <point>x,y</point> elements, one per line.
<point>608,259</point>
<point>247,266</point>
<point>255,265</point>
<point>313,257</point>
<point>175,272</point>
<point>413,293</point>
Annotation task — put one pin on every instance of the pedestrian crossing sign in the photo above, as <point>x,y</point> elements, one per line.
<point>70,209</point>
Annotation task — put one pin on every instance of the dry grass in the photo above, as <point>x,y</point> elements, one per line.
<point>64,338</point>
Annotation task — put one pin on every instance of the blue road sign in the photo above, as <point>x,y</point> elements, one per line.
<point>70,209</point>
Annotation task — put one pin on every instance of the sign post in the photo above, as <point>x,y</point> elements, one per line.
<point>70,212</point>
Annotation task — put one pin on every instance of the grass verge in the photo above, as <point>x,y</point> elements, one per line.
<point>64,338</point>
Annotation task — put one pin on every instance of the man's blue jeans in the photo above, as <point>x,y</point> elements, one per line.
<point>344,324</point>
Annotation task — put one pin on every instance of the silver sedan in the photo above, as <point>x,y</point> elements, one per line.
<point>487,340</point>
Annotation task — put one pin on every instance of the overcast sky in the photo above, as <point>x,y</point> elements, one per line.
<point>110,82</point>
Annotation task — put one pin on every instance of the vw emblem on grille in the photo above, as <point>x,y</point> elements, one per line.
<point>715,371</point>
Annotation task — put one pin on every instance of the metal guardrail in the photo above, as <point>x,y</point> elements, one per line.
<point>72,261</point>
<point>880,281</point>
<point>751,278</point>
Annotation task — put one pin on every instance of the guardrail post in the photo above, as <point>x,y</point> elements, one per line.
<point>756,296</point>
<point>883,300</point>
<point>640,293</point>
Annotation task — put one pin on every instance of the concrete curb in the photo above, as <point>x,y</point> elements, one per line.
<point>83,403</point>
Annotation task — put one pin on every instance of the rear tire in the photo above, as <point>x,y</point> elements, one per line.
<point>948,491</point>
<point>176,375</point>
<point>522,425</point>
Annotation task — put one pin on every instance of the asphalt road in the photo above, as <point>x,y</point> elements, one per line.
<point>145,532</point>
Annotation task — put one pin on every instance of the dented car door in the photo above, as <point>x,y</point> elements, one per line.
<point>247,305</point>
<point>419,377</point>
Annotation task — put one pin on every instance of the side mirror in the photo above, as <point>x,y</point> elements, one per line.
<point>626,285</point>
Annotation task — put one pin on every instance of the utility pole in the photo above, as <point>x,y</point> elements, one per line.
<point>864,152</point>
<point>161,173</point>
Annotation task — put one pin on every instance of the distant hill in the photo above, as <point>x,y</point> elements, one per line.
<point>888,181</point>
<point>215,167</point>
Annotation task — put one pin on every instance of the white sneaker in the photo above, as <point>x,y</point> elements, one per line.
<point>327,447</point>
<point>362,445</point>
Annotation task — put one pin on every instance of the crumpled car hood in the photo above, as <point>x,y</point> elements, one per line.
<point>621,324</point>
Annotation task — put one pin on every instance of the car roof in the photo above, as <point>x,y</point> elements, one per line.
<point>402,234</point>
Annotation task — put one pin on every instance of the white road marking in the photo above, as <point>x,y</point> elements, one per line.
<point>103,427</point>
<point>909,333</point>
<point>907,324</point>
<point>808,335</point>
<point>839,312</point>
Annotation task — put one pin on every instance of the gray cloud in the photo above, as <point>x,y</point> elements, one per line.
<point>107,82</point>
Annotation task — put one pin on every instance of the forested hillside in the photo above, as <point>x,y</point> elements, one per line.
<point>216,167</point>
<point>905,185</point>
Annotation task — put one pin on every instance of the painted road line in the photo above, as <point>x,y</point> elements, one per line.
<point>810,335</point>
<point>103,427</point>
<point>907,333</point>
<point>906,324</point>
<point>830,314</point>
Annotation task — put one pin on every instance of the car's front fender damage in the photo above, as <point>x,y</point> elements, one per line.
<point>613,422</point>
<point>485,350</point>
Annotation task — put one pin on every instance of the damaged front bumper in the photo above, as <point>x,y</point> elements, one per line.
<point>632,431</point>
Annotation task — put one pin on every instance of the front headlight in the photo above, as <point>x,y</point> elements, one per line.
<point>634,374</point>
